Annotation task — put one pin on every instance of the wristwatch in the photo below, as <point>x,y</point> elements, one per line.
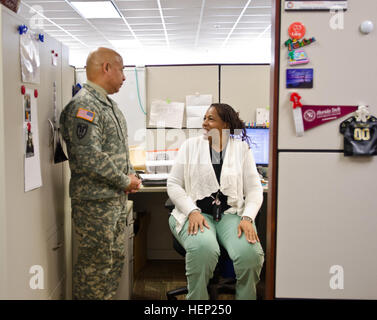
<point>246,218</point>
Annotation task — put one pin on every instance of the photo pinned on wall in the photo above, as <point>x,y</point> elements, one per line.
<point>29,142</point>
<point>299,78</point>
<point>27,108</point>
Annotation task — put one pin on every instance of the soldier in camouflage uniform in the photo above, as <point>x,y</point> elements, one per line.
<point>95,132</point>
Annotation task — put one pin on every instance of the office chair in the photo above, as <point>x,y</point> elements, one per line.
<point>224,278</point>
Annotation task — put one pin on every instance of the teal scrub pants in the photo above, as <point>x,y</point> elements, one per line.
<point>202,253</point>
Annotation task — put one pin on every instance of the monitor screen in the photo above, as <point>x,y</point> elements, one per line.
<point>259,144</point>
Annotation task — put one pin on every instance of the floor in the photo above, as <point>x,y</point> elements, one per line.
<point>160,276</point>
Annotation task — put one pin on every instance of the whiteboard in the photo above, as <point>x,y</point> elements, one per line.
<point>131,100</point>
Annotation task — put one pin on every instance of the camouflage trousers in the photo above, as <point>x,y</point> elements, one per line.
<point>100,232</point>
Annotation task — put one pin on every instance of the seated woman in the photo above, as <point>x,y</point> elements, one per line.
<point>217,193</point>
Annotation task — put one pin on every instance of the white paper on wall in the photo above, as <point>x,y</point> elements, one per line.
<point>32,165</point>
<point>262,116</point>
<point>199,100</point>
<point>196,107</point>
<point>29,56</point>
<point>54,59</point>
<point>195,115</point>
<point>166,114</point>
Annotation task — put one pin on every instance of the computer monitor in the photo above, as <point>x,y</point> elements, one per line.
<point>259,138</point>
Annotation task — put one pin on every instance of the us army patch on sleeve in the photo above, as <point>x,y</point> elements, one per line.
<point>85,114</point>
<point>81,130</point>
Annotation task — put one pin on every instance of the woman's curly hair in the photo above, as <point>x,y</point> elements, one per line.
<point>231,117</point>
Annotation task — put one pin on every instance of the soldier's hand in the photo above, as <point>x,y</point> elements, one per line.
<point>135,184</point>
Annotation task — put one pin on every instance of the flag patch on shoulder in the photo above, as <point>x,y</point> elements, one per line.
<point>85,114</point>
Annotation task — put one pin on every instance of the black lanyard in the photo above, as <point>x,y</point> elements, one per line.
<point>217,167</point>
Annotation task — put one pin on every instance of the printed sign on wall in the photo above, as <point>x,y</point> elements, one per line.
<point>309,5</point>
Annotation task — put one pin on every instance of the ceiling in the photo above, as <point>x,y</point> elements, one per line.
<point>162,31</point>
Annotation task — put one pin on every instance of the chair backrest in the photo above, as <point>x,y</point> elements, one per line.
<point>176,245</point>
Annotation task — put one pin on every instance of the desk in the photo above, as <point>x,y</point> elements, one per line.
<point>151,199</point>
<point>153,189</point>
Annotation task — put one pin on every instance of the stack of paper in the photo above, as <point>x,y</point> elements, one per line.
<point>154,176</point>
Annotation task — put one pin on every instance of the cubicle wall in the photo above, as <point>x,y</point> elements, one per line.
<point>326,208</point>
<point>68,76</point>
<point>34,221</point>
<point>245,87</point>
<point>3,227</point>
<point>131,100</point>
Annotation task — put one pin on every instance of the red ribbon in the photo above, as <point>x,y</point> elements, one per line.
<point>295,98</point>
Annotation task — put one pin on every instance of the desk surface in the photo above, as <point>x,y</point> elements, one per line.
<point>153,189</point>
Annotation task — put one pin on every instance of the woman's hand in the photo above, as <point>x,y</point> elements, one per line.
<point>196,220</point>
<point>248,228</point>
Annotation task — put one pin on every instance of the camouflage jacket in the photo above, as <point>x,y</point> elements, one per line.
<point>95,132</point>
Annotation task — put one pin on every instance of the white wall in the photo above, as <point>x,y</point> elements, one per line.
<point>128,101</point>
